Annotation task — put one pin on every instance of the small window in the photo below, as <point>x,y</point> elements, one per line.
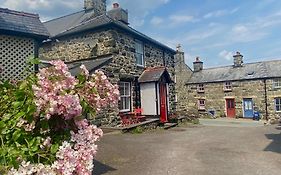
<point>277,104</point>
<point>200,88</point>
<point>276,83</point>
<point>227,86</point>
<point>125,96</point>
<point>201,104</point>
<point>139,53</point>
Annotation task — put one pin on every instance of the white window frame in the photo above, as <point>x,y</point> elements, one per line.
<point>200,88</point>
<point>139,52</point>
<point>201,106</point>
<point>128,96</point>
<point>227,86</point>
<point>277,102</point>
<point>276,83</point>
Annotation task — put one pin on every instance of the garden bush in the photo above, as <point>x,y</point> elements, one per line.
<point>43,128</point>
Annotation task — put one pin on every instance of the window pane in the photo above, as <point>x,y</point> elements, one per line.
<point>121,88</point>
<point>278,104</point>
<point>139,59</point>
<point>127,102</point>
<point>127,89</point>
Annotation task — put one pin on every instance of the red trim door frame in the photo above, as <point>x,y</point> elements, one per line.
<point>230,108</point>
<point>163,103</point>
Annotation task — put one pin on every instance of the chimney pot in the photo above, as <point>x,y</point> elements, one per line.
<point>197,65</point>
<point>115,5</point>
<point>238,59</point>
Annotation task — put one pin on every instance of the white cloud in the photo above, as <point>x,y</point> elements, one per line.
<point>220,13</point>
<point>246,33</point>
<point>156,20</point>
<point>181,18</point>
<point>30,5</point>
<point>226,55</point>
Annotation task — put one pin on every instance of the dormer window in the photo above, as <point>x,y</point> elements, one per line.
<point>200,88</point>
<point>227,86</point>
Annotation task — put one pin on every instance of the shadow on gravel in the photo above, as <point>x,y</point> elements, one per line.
<point>275,145</point>
<point>101,168</point>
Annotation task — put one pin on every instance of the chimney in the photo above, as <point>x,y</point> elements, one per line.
<point>238,59</point>
<point>119,14</point>
<point>179,59</point>
<point>197,65</point>
<point>97,6</point>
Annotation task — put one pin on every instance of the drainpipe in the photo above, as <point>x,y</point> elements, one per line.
<point>265,99</point>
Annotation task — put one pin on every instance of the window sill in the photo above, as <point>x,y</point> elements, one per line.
<point>124,110</point>
<point>140,66</point>
<point>201,109</point>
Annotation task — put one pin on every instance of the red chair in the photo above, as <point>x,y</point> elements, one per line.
<point>138,115</point>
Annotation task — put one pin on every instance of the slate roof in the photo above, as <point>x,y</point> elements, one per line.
<point>21,22</point>
<point>154,75</point>
<point>91,64</point>
<point>249,71</point>
<point>82,21</point>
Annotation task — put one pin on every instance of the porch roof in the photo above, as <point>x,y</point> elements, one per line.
<point>154,75</point>
<point>91,64</point>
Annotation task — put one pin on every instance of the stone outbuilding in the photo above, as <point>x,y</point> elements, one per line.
<point>236,90</point>
<point>20,36</point>
<point>104,39</point>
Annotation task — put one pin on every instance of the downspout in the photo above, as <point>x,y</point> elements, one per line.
<point>265,99</point>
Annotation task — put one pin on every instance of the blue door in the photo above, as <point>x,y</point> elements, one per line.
<point>248,108</point>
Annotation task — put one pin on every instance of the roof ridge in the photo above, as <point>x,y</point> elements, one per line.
<point>266,61</point>
<point>19,13</point>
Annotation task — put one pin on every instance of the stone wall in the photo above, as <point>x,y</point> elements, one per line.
<point>183,73</point>
<point>272,93</point>
<point>215,97</point>
<point>15,51</point>
<point>123,66</point>
<point>80,46</point>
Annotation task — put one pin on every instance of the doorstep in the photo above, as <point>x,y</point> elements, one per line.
<point>129,127</point>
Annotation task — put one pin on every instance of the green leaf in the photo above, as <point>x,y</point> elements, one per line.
<point>20,114</point>
<point>2,125</point>
<point>16,104</point>
<point>16,135</point>
<point>54,148</point>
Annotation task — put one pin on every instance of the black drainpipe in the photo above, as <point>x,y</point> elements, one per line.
<point>265,98</point>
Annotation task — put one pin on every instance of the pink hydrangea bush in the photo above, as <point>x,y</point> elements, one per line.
<point>62,102</point>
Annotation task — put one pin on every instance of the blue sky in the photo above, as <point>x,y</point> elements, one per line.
<point>211,29</point>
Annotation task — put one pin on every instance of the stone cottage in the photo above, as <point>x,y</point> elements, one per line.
<point>234,91</point>
<point>20,35</point>
<point>104,39</point>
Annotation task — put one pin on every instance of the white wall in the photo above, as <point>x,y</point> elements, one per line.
<point>148,98</point>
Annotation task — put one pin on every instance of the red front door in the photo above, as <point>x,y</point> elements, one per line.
<point>163,103</point>
<point>230,108</point>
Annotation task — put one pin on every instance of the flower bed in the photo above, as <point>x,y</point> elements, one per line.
<point>42,124</point>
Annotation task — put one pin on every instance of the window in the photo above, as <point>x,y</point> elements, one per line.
<point>278,104</point>
<point>201,104</point>
<point>227,86</point>
<point>277,83</point>
<point>200,88</point>
<point>139,53</point>
<point>125,96</point>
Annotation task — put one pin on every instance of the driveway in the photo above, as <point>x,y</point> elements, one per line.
<point>193,150</point>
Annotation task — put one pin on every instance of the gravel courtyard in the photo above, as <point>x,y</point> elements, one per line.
<point>227,148</point>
